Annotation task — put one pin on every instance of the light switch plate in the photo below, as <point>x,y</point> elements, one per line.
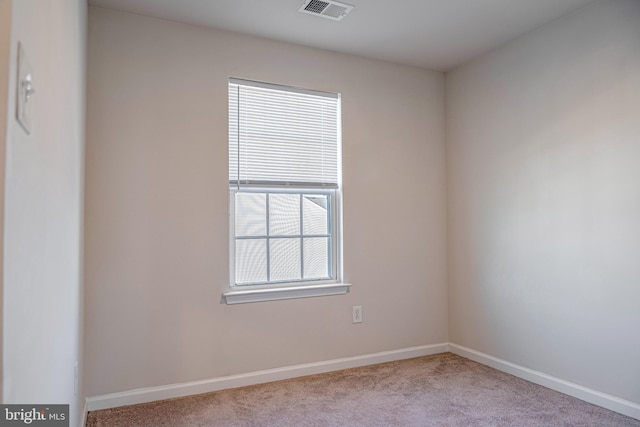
<point>25,91</point>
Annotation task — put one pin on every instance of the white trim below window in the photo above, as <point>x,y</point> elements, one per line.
<point>242,296</point>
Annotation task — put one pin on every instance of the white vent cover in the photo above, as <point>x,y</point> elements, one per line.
<point>326,8</point>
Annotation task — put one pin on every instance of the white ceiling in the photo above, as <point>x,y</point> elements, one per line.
<point>435,34</point>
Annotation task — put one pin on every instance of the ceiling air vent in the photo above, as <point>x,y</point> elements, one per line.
<point>326,8</point>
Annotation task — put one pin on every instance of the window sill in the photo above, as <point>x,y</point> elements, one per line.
<point>244,296</point>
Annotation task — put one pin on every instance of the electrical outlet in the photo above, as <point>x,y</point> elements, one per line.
<point>357,314</point>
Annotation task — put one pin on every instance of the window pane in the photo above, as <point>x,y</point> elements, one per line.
<point>284,214</point>
<point>251,261</point>
<point>285,259</point>
<point>251,214</point>
<point>316,258</point>
<point>314,208</point>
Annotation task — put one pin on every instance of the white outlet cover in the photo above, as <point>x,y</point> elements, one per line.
<point>357,314</point>
<point>24,91</point>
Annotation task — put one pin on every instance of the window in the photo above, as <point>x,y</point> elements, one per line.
<point>284,175</point>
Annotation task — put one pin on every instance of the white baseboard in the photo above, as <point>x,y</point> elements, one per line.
<point>151,394</point>
<point>604,400</point>
<point>85,411</point>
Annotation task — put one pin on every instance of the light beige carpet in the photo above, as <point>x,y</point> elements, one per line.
<point>440,390</point>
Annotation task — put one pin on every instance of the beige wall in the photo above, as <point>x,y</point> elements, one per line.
<point>544,200</point>
<point>157,214</point>
<point>43,209</point>
<point>5,44</point>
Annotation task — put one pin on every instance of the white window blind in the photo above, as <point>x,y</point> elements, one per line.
<point>282,135</point>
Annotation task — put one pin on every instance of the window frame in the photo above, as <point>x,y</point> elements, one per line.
<point>277,290</point>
